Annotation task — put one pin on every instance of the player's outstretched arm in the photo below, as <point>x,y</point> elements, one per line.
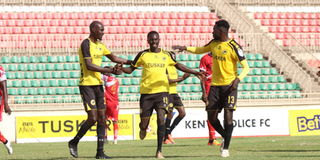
<point>180,48</point>
<point>128,70</point>
<point>117,59</point>
<point>184,68</point>
<point>180,79</point>
<point>3,87</point>
<point>243,73</point>
<point>92,67</point>
<point>195,50</point>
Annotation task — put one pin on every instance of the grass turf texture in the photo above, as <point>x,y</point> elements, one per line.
<point>253,148</point>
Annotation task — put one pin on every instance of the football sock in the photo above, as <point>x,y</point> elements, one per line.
<point>161,130</point>
<point>2,139</point>
<point>175,123</point>
<point>211,131</point>
<point>101,131</point>
<point>83,130</point>
<point>229,129</point>
<point>115,130</point>
<point>217,125</point>
<point>167,123</point>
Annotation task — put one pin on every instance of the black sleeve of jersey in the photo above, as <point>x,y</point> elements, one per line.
<point>85,48</point>
<point>208,43</point>
<point>173,56</point>
<point>238,49</point>
<point>134,62</point>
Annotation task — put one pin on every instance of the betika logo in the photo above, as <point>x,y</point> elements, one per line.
<point>305,124</point>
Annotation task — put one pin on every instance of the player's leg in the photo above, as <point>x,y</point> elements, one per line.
<point>167,125</point>
<point>6,143</point>
<point>107,125</point>
<point>88,123</point>
<point>115,131</point>
<point>161,131</point>
<point>177,120</point>
<point>228,125</point>
<point>101,123</point>
<point>146,109</point>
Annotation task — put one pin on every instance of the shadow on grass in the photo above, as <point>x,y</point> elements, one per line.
<point>283,150</point>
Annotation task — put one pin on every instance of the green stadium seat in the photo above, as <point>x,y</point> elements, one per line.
<point>12,91</point>
<point>135,81</point>
<point>46,75</point>
<point>124,90</point>
<point>71,82</point>
<point>19,75</point>
<point>251,64</point>
<point>264,79</point>
<point>258,64</point>
<point>265,71</point>
<point>58,67</point>
<point>28,75</point>
<point>52,59</point>
<point>195,80</point>
<point>70,59</point>
<point>247,79</point>
<point>13,67</point>
<point>75,74</point>
<point>24,59</point>
<point>34,83</point>
<point>104,59</point>
<point>266,64</point>
<point>40,67</point>
<point>254,95</point>
<point>271,94</point>
<point>125,81</point>
<point>15,59</point>
<point>187,81</point>
<point>137,73</point>
<point>263,95</point>
<point>60,91</point>
<point>31,67</point>
<point>180,73</point>
<point>67,66</point>
<point>69,91</point>
<point>22,67</point>
<point>55,74</point>
<point>41,91</point>
<point>76,90</point>
<point>32,91</point>
<point>9,83</point>
<point>10,75</point>
<point>272,79</point>
<point>5,60</point>
<point>49,67</point>
<point>255,87</point>
<point>53,83</point>
<point>62,83</point>
<point>240,87</point>
<point>66,99</point>
<point>263,86</point>
<point>195,88</point>
<point>61,59</point>
<point>37,99</point>
<point>43,59</point>
<point>250,56</point>
<point>290,86</point>
<point>280,94</point>
<point>25,83</point>
<point>244,95</point>
<point>273,71</point>
<point>281,79</point>
<point>272,86</point>
<point>258,56</point>
<point>182,57</point>
<point>133,89</point>
<point>33,59</point>
<point>76,66</point>
<point>256,71</point>
<point>281,86</point>
<point>66,74</point>
<point>50,91</point>
<point>255,79</point>
<point>22,91</point>
<point>44,83</point>
<point>186,88</point>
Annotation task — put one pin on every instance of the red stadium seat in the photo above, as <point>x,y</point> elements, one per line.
<point>265,22</point>
<point>79,30</point>
<point>149,15</point>
<point>281,22</point>
<point>147,22</point>
<point>106,15</point>
<point>11,23</point>
<point>197,22</point>
<point>16,30</point>
<point>313,22</point>
<point>157,15</point>
<point>274,15</point>
<point>52,30</point>
<point>297,15</point>
<point>173,15</point>
<point>65,15</point>
<point>180,22</point>
<point>289,22</point>
<point>48,15</point>
<point>205,16</point>
<point>68,30</point>
<point>171,29</point>
<point>34,30</point>
<point>290,15</point>
<point>285,29</point>
<point>74,16</point>
<point>179,29</point>
<point>296,29</point>
<point>80,22</point>
<point>114,22</point>
<point>165,15</point>
<point>98,15</point>
<point>155,22</point>
<point>172,22</point>
<point>189,15</point>
<point>56,15</point>
<point>196,29</point>
<point>282,15</point>
<point>266,15</point>
<point>258,15</point>
<point>115,15</point>
<point>13,15</point>
<point>54,22</point>
<point>189,22</point>
<point>132,15</point>
<point>139,22</point>
<point>164,22</point>
<point>312,29</point>
<point>131,22</point>
<point>197,15</point>
<point>129,30</point>
<point>72,23</point>
<point>140,15</point>
<point>187,29</point>
<point>145,30</point>
<point>64,22</point>
<point>297,22</point>
<point>106,22</point>
<point>313,16</point>
<point>43,30</point>
<point>122,22</point>
<point>272,29</point>
<point>205,22</point>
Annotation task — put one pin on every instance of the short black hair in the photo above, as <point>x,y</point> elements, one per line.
<point>152,32</point>
<point>93,24</point>
<point>222,23</point>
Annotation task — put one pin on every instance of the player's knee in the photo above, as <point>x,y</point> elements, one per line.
<point>182,114</point>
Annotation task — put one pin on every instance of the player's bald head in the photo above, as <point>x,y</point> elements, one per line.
<point>95,24</point>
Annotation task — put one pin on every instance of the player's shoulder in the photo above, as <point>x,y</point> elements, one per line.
<point>235,44</point>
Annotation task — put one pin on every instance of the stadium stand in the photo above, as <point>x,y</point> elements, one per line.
<point>40,44</point>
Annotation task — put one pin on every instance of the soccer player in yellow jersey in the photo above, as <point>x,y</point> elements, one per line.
<point>174,102</point>
<point>91,86</point>
<point>154,85</point>
<point>223,91</point>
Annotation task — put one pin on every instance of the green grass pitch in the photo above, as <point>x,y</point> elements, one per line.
<point>253,148</point>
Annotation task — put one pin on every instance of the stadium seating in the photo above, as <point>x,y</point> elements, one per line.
<point>55,80</point>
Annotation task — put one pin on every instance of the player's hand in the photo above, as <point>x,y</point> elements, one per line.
<point>180,48</point>
<point>201,76</point>
<point>185,76</point>
<point>204,98</point>
<point>234,84</point>
<point>7,109</point>
<point>117,69</point>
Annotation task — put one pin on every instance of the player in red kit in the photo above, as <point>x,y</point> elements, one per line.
<point>4,105</point>
<point>111,98</point>
<point>206,68</point>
